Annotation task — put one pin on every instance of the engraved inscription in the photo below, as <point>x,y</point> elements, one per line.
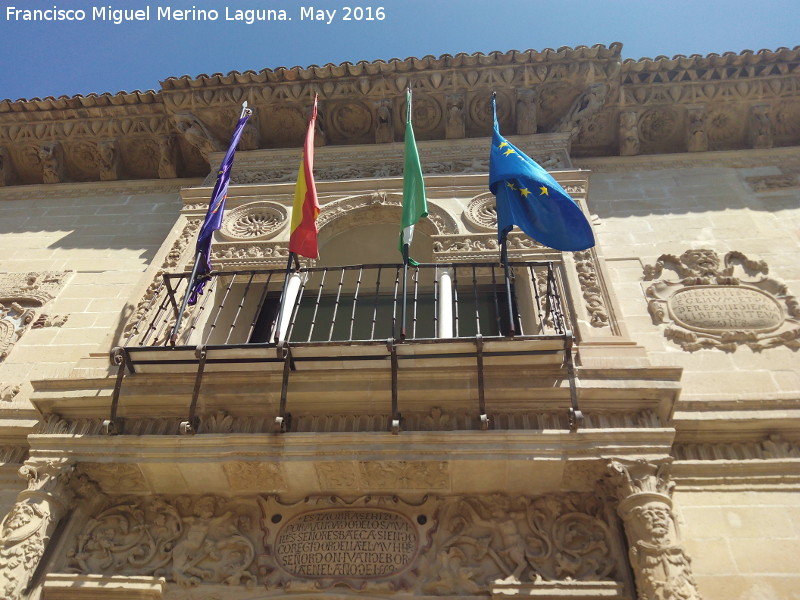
<point>346,543</point>
<point>724,308</point>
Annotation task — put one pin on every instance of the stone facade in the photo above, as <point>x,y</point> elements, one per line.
<point>636,439</point>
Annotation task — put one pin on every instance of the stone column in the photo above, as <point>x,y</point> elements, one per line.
<point>660,564</point>
<point>26,529</point>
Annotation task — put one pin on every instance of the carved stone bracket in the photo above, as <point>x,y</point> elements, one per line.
<point>716,304</point>
<point>660,564</point>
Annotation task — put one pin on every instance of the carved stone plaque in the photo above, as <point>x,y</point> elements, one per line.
<point>322,542</point>
<point>724,308</point>
<point>710,302</point>
<point>346,543</point>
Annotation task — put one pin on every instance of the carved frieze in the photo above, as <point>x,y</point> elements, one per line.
<point>481,212</point>
<point>708,303</point>
<point>255,476</point>
<point>38,288</point>
<point>773,447</point>
<point>114,478</point>
<point>417,475</point>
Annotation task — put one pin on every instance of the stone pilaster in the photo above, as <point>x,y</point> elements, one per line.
<point>660,565</point>
<point>26,529</point>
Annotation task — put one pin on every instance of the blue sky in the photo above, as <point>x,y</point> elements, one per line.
<point>92,56</point>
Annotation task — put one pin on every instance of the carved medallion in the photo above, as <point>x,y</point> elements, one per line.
<point>708,305</point>
<point>657,125</point>
<point>254,221</point>
<point>427,114</point>
<point>352,119</point>
<point>481,213</point>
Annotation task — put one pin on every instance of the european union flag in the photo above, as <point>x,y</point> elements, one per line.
<point>216,210</point>
<point>529,197</point>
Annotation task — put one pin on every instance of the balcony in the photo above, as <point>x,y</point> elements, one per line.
<point>464,318</point>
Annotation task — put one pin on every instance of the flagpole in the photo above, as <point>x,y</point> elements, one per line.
<point>405,286</point>
<point>173,338</point>
<point>504,258</point>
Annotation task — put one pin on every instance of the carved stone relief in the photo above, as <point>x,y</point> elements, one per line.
<point>760,127</point>
<point>481,212</point>
<point>711,304</point>
<point>21,294</point>
<point>590,288</point>
<point>583,109</point>
<point>526,111</point>
<point>660,563</point>
<point>351,120</point>
<point>114,478</point>
<point>421,475</point>
<point>255,476</point>
<point>768,183</point>
<point>658,125</point>
<point>254,221</point>
<point>9,391</point>
<point>696,133</point>
<point>196,135</point>
<point>773,447</point>
<point>455,126</point>
<point>26,529</point>
<point>629,144</point>
<point>187,540</point>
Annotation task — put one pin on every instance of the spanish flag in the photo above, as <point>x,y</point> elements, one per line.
<point>303,236</point>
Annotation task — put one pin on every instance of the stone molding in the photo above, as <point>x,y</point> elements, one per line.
<point>254,221</point>
<point>714,303</point>
<point>436,419</point>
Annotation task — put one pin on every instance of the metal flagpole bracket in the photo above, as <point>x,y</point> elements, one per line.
<point>396,416</point>
<point>114,425</point>
<point>192,424</point>
<point>484,418</point>
<point>283,421</point>
<point>575,414</point>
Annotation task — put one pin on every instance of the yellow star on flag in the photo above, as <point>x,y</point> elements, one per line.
<point>503,145</point>
<point>511,185</point>
<point>544,191</point>
<point>525,192</point>
<point>509,151</point>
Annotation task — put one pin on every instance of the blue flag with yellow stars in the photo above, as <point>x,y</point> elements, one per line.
<point>529,197</point>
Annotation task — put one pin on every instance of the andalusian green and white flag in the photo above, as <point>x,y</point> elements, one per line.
<point>415,205</point>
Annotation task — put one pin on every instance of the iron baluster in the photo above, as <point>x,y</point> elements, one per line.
<point>336,305</point>
<point>375,307</point>
<point>219,310</point>
<point>239,308</point>
<point>316,303</point>
<point>475,298</point>
<point>260,307</point>
<point>355,300</point>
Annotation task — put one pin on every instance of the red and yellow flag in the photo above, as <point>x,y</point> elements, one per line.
<point>303,236</point>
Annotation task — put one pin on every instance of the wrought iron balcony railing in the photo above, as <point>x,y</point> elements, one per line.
<point>375,315</point>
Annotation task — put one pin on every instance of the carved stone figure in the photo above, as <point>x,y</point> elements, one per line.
<point>51,159</point>
<point>629,144</point>
<point>660,564</point>
<point>384,127</point>
<point>196,134</point>
<point>696,133</point>
<point>760,127</point>
<point>108,160</point>
<point>5,167</point>
<point>26,529</point>
<point>166,157</point>
<point>320,128</point>
<point>455,125</point>
<point>526,112</point>
<point>583,108</point>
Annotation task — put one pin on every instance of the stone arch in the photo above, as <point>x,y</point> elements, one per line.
<point>337,216</point>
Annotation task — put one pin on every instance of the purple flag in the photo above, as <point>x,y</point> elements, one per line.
<point>216,210</point>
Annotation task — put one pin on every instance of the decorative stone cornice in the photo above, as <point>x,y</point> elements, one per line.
<point>604,105</point>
